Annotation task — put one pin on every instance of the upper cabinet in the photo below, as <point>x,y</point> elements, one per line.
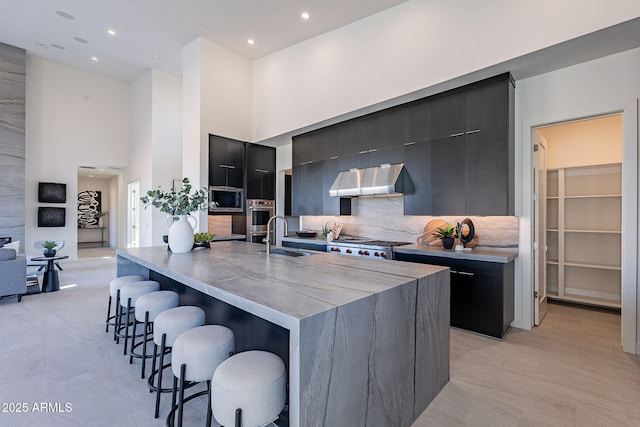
<point>457,148</point>
<point>470,140</point>
<point>226,162</point>
<point>261,172</point>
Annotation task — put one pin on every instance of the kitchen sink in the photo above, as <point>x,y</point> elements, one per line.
<point>288,252</point>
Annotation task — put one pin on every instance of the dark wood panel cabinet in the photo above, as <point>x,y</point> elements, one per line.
<point>487,178</point>
<point>457,148</point>
<point>307,189</point>
<point>482,293</point>
<point>448,115</point>
<point>478,122</point>
<point>226,162</point>
<point>261,172</point>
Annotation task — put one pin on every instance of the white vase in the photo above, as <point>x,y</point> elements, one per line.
<point>181,233</point>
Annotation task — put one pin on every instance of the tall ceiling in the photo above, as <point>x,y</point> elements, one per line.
<point>151,33</point>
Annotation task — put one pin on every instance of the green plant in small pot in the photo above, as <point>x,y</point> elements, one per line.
<point>49,246</point>
<point>202,240</point>
<point>447,235</point>
<point>326,229</point>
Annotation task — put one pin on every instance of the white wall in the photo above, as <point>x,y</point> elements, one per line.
<point>217,99</point>
<point>606,85</point>
<point>72,118</point>
<point>412,46</point>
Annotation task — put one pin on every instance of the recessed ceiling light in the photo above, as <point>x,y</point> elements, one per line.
<point>94,59</point>
<point>155,56</point>
<point>80,40</point>
<point>251,41</point>
<point>305,15</point>
<point>64,14</point>
<point>111,32</point>
<point>57,46</point>
<point>41,45</point>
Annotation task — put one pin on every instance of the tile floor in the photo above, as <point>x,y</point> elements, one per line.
<point>569,371</point>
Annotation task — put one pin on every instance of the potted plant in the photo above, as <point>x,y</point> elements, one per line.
<point>202,240</point>
<point>446,234</point>
<point>99,216</point>
<point>326,231</point>
<point>49,246</point>
<point>179,205</point>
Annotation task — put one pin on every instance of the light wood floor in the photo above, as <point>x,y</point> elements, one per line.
<point>569,371</point>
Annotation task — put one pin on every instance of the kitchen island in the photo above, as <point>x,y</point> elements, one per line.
<point>365,342</point>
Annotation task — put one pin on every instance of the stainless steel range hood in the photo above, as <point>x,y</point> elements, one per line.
<point>385,179</point>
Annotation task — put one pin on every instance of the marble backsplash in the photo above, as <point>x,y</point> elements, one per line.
<point>383,218</point>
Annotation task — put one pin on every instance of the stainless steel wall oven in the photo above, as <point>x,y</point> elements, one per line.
<point>258,213</point>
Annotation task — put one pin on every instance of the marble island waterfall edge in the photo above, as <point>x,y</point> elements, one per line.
<point>376,357</point>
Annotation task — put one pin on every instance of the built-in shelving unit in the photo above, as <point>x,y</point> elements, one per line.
<point>584,234</point>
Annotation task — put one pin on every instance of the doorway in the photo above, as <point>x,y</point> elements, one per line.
<point>577,212</point>
<point>97,207</point>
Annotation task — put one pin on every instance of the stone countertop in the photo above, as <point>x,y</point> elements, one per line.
<point>479,253</point>
<point>279,288</point>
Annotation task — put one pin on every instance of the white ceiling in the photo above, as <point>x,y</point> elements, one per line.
<point>151,33</point>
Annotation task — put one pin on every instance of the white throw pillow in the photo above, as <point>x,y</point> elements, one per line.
<point>13,245</point>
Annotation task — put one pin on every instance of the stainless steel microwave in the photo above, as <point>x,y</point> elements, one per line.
<point>227,199</point>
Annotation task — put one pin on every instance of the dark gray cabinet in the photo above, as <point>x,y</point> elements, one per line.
<point>261,167</point>
<point>226,162</point>
<point>474,125</point>
<point>457,148</point>
<point>307,189</point>
<point>481,293</point>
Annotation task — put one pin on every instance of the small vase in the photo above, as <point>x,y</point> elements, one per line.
<point>49,253</point>
<point>447,242</point>
<point>181,234</point>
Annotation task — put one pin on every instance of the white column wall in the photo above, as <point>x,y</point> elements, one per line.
<point>156,145</point>
<point>217,99</point>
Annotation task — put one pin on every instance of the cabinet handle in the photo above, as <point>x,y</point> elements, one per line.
<point>306,163</point>
<point>333,157</point>
<point>465,273</point>
<point>224,166</point>
<point>373,150</point>
<point>261,171</point>
<point>409,143</point>
<point>473,131</point>
<point>457,134</point>
<point>363,152</point>
<point>231,166</point>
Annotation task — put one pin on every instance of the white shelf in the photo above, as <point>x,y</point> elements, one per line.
<point>584,235</point>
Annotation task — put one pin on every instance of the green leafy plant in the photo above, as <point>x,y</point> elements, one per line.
<point>181,202</point>
<point>202,237</point>
<point>446,231</point>
<point>49,244</point>
<point>100,214</point>
<point>326,229</point>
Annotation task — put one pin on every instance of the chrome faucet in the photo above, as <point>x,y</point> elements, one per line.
<point>269,230</point>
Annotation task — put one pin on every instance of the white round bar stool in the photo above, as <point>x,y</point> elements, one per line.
<point>129,294</point>
<point>114,288</point>
<point>166,329</point>
<point>148,306</point>
<point>249,389</point>
<point>195,355</point>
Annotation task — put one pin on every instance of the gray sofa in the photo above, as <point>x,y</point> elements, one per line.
<point>13,274</point>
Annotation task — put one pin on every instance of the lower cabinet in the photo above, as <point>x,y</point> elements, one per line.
<point>481,293</point>
<point>322,247</point>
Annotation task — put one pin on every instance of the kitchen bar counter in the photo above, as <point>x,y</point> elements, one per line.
<point>368,341</point>
<point>499,255</point>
